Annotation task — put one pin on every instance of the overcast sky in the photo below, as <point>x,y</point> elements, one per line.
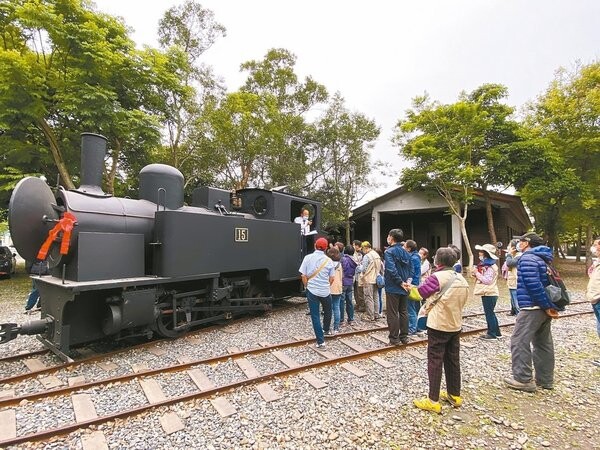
<point>381,54</point>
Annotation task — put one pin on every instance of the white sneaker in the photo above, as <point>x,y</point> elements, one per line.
<point>320,345</point>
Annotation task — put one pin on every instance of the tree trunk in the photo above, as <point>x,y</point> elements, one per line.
<point>588,244</point>
<point>490,217</point>
<point>466,242</point>
<point>348,230</point>
<point>578,244</point>
<point>559,248</point>
<point>56,154</point>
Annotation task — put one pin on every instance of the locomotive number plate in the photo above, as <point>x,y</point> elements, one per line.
<point>241,235</point>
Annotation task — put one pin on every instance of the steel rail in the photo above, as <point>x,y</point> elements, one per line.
<point>65,429</point>
<point>99,356</point>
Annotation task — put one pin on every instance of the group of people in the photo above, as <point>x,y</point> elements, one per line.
<point>333,273</point>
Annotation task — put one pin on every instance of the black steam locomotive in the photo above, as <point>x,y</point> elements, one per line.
<point>121,267</point>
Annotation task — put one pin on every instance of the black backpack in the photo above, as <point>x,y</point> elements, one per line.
<point>557,291</point>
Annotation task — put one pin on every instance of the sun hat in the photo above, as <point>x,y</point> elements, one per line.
<point>489,248</point>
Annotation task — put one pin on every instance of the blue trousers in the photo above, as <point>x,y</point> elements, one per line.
<point>314,302</point>
<point>514,304</point>
<point>34,297</point>
<point>347,301</point>
<point>596,307</point>
<point>489,303</point>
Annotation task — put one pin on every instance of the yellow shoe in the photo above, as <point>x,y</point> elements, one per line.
<point>454,400</point>
<point>427,405</point>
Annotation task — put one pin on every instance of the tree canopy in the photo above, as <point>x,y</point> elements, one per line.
<point>67,68</point>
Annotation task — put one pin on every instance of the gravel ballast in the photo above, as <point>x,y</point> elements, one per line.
<point>374,411</point>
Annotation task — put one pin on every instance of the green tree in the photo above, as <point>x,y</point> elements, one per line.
<point>440,141</point>
<point>339,163</point>
<point>237,137</point>
<point>498,134</point>
<point>567,117</point>
<point>65,69</point>
<point>186,32</point>
<point>274,77</point>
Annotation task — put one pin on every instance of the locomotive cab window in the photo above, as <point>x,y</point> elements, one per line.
<point>260,205</point>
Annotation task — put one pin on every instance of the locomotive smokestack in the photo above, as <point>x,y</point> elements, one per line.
<point>93,150</point>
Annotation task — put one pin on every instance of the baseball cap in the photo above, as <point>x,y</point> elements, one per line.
<point>533,239</point>
<point>321,244</point>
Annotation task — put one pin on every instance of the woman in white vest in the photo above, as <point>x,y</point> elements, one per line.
<point>368,270</point>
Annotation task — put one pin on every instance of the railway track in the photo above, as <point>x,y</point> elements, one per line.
<point>32,366</point>
<point>298,356</point>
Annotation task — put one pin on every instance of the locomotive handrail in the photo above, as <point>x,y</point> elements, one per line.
<point>158,198</point>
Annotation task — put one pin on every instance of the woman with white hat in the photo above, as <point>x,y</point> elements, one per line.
<point>486,285</point>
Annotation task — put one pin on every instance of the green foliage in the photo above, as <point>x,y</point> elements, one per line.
<point>340,166</point>
<point>65,69</point>
<point>186,32</point>
<point>457,147</point>
<point>563,192</point>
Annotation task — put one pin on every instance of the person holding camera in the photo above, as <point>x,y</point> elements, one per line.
<point>486,285</point>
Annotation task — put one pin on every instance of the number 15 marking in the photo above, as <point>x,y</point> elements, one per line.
<point>241,235</point>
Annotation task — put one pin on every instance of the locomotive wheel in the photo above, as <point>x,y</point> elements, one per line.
<point>165,323</point>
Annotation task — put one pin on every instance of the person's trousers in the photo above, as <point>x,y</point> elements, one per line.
<point>335,306</point>
<point>397,316</point>
<point>314,303</point>
<point>359,297</point>
<point>531,341</point>
<point>443,350</point>
<point>596,307</point>
<point>413,311</point>
<point>489,303</point>
<point>34,297</point>
<point>371,304</point>
<point>347,300</point>
<point>514,304</point>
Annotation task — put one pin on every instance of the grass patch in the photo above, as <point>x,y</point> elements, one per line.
<point>468,430</point>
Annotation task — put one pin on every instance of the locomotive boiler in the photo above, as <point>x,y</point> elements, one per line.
<point>121,267</point>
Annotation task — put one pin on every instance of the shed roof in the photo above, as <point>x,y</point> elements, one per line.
<point>498,199</point>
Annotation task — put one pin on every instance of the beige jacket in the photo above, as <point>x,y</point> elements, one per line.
<point>511,280</point>
<point>593,288</point>
<point>370,274</point>
<point>488,290</point>
<point>337,287</point>
<point>446,314</point>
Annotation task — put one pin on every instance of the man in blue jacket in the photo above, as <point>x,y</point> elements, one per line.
<point>533,325</point>
<point>397,271</point>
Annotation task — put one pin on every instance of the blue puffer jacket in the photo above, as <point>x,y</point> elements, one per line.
<point>532,278</point>
<point>397,269</point>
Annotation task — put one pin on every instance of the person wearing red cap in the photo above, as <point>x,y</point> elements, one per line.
<point>317,271</point>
